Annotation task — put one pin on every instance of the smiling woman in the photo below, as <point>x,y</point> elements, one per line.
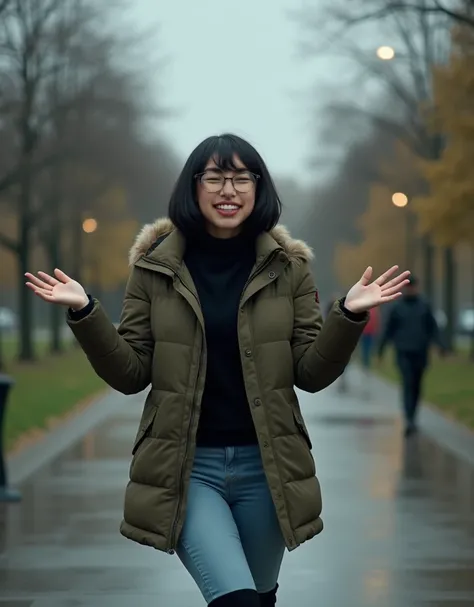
<point>221,316</point>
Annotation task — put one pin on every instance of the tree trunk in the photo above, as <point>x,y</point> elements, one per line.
<point>26,352</point>
<point>56,311</point>
<point>77,247</point>
<point>449,296</point>
<point>54,251</point>
<point>428,252</point>
<point>410,239</point>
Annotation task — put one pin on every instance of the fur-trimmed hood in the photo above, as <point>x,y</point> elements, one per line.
<point>295,249</point>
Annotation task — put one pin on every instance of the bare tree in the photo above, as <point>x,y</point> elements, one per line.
<point>462,12</point>
<point>68,107</point>
<point>420,36</point>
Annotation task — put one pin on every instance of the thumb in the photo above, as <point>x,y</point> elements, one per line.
<point>366,276</point>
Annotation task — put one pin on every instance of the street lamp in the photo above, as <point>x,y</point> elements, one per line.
<point>385,53</point>
<point>89,225</point>
<point>399,199</point>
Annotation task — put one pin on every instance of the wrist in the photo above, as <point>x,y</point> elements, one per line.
<point>352,312</point>
<point>347,305</point>
<point>80,306</point>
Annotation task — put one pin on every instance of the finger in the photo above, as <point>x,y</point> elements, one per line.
<point>50,280</point>
<point>37,282</point>
<point>387,292</point>
<point>391,297</point>
<point>366,276</point>
<point>60,275</point>
<point>398,280</point>
<point>386,275</point>
<point>45,295</point>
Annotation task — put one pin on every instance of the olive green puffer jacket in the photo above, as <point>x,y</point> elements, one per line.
<point>161,344</point>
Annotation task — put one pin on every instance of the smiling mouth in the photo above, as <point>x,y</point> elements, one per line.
<point>227,207</point>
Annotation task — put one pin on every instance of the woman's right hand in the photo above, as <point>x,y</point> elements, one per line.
<point>58,289</point>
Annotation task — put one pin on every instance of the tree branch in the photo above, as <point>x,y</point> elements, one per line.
<point>392,7</point>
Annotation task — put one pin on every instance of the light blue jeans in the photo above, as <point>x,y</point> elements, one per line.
<point>231,538</point>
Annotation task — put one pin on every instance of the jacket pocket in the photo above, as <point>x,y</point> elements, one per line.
<point>302,428</point>
<point>144,430</point>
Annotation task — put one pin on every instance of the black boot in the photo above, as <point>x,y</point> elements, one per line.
<point>269,599</point>
<point>239,598</point>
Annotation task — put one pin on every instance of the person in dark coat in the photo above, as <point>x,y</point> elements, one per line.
<point>412,329</point>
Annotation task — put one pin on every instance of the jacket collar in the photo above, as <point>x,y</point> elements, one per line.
<point>162,242</point>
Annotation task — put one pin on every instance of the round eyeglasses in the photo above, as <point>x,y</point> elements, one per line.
<point>213,182</point>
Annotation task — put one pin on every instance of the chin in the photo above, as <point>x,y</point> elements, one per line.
<point>225,226</point>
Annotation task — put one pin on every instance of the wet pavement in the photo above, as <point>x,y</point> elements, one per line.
<point>399,520</point>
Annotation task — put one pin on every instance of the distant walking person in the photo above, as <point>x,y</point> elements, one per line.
<point>367,344</point>
<point>412,328</point>
<point>368,338</point>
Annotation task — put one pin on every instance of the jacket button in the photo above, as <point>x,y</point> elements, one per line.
<point>271,274</point>
<point>257,402</point>
<point>248,353</point>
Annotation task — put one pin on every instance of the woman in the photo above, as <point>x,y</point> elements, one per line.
<point>221,316</point>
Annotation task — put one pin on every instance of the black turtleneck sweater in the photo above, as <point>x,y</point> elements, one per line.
<point>220,267</point>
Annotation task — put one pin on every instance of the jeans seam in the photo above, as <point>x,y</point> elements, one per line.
<point>199,570</point>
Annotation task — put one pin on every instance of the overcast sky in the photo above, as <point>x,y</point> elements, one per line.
<point>234,66</point>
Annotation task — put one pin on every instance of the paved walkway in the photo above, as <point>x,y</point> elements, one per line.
<point>399,520</point>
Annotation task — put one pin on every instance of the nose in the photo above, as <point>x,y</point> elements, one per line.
<point>228,187</point>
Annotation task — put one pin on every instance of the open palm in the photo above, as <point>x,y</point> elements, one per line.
<point>58,289</point>
<point>365,295</point>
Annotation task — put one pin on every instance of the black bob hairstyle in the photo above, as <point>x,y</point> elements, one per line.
<point>183,208</point>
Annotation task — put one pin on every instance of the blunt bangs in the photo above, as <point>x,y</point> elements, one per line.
<point>183,207</point>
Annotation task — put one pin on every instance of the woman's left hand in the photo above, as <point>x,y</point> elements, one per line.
<point>365,295</point>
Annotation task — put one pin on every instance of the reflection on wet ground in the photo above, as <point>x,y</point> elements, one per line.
<point>399,522</point>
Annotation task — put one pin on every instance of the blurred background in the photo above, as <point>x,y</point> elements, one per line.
<point>364,113</point>
<point>363,110</point>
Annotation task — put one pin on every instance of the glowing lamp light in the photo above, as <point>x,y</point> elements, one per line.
<point>89,225</point>
<point>399,199</point>
<point>386,53</point>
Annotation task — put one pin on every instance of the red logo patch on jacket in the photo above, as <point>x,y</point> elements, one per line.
<point>316,296</point>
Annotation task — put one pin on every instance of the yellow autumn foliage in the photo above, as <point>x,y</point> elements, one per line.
<point>106,250</point>
<point>383,238</point>
<point>448,210</point>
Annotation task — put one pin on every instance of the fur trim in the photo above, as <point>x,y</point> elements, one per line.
<point>147,236</point>
<point>295,249</point>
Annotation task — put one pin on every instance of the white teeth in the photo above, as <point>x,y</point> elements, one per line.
<point>227,207</point>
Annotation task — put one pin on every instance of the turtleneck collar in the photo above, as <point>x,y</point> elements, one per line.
<point>222,246</point>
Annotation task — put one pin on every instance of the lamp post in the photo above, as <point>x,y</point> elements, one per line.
<point>400,200</point>
<point>89,226</point>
